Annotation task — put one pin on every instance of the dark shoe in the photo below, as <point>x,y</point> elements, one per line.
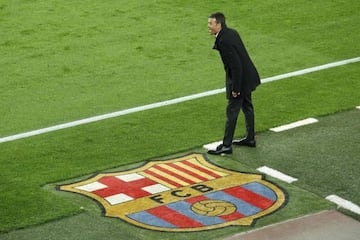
<point>245,142</point>
<point>220,150</point>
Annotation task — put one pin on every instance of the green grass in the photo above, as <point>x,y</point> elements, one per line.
<point>67,61</point>
<point>63,61</point>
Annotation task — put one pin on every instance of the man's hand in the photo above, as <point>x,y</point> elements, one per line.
<point>235,94</point>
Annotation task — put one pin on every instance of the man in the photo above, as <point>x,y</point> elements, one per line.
<point>241,79</point>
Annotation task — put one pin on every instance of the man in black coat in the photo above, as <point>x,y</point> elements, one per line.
<point>241,79</point>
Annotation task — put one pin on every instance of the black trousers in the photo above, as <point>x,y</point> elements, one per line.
<point>232,112</point>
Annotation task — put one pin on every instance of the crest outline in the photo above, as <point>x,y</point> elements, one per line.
<point>174,186</point>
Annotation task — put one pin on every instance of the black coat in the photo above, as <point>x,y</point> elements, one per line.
<point>241,73</point>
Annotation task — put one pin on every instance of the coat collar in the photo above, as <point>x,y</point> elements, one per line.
<point>217,39</point>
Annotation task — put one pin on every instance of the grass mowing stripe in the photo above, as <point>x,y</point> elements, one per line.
<point>344,203</point>
<point>168,102</point>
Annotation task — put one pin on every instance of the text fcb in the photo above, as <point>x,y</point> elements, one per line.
<point>183,194</point>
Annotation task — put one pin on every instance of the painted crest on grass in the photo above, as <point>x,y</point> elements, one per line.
<point>183,194</point>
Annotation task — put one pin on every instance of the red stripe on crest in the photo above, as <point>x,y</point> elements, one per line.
<point>232,216</point>
<point>174,174</point>
<point>196,199</point>
<point>249,197</point>
<point>187,172</point>
<point>163,178</point>
<point>174,217</point>
<point>201,169</point>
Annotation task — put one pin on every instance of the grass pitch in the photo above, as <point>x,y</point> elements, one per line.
<point>282,151</point>
<point>63,61</point>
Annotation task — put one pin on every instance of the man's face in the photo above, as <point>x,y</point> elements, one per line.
<point>213,26</point>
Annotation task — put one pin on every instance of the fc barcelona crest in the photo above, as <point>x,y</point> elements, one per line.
<point>183,194</point>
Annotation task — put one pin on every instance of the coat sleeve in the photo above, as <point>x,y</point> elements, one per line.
<point>232,64</point>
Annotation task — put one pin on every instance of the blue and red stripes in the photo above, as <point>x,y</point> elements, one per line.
<point>249,199</point>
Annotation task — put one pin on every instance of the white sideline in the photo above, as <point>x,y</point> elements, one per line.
<point>168,102</point>
<point>344,203</point>
<point>276,174</point>
<point>294,125</point>
<point>212,146</point>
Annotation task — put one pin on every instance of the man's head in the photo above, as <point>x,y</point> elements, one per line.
<point>216,22</point>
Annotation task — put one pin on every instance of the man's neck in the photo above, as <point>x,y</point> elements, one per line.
<point>217,34</point>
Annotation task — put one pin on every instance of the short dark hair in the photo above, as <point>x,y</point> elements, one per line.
<point>220,18</point>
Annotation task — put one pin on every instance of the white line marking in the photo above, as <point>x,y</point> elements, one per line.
<point>344,203</point>
<point>212,146</point>
<point>276,174</point>
<point>358,107</point>
<point>168,102</point>
<point>294,125</point>
<point>109,115</point>
<point>312,69</point>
